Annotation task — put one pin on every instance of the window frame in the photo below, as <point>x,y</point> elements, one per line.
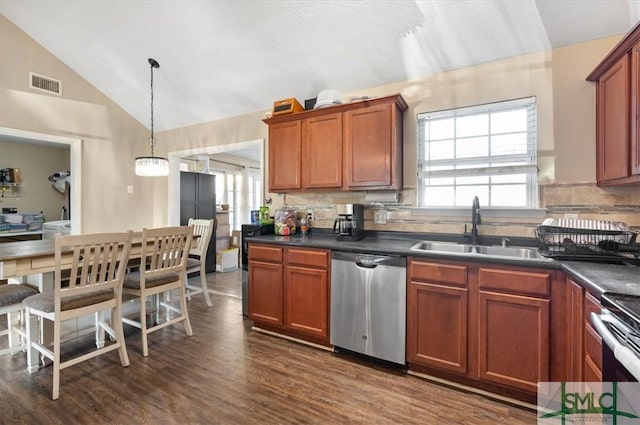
<point>529,158</point>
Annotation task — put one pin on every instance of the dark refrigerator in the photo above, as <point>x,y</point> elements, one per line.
<point>198,200</point>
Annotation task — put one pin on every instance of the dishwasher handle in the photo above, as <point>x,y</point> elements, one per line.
<point>369,261</point>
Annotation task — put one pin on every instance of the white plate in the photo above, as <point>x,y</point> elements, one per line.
<point>326,103</point>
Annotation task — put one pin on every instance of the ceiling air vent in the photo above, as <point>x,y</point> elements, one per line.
<point>40,82</point>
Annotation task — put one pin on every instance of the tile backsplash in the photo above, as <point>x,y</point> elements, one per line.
<point>584,199</point>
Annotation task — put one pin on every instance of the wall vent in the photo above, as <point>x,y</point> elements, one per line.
<point>48,84</point>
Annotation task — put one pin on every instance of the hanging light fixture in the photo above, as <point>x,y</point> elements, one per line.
<point>152,165</point>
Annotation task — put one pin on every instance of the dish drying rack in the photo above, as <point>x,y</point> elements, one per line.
<point>587,239</point>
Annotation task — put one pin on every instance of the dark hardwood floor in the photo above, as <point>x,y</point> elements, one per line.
<point>228,374</point>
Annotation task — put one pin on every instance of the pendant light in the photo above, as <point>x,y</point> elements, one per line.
<point>152,165</point>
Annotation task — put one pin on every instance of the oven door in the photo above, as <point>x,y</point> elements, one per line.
<point>620,348</point>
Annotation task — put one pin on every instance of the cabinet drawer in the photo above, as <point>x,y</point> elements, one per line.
<point>515,281</point>
<point>436,272</point>
<point>591,305</point>
<point>593,346</point>
<point>308,257</point>
<point>267,253</point>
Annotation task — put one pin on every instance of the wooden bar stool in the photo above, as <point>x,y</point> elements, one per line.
<point>165,250</point>
<point>98,263</point>
<point>198,255</point>
<point>11,296</point>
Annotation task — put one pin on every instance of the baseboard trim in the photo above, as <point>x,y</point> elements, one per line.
<point>487,394</point>
<point>290,338</point>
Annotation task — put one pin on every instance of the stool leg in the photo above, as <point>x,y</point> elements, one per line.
<point>203,282</point>
<point>31,323</point>
<point>99,317</point>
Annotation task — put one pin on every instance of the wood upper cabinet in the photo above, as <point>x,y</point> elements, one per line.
<point>437,311</point>
<point>289,290</point>
<point>635,108</point>
<point>372,148</point>
<point>353,146</point>
<point>613,122</point>
<point>285,153</point>
<point>322,152</point>
<point>266,290</point>
<point>617,80</point>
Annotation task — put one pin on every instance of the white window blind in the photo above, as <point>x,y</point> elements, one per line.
<point>487,151</point>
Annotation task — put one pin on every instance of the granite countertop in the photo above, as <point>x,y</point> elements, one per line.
<point>602,278</point>
<point>596,277</point>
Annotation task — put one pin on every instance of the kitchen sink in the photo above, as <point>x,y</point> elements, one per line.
<point>442,247</point>
<point>508,251</point>
<point>496,251</point>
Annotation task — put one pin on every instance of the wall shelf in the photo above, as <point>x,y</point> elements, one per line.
<point>11,190</point>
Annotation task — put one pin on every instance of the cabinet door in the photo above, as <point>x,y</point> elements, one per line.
<point>285,150</point>
<point>592,342</point>
<point>322,152</point>
<point>266,293</point>
<point>513,340</point>
<point>368,144</point>
<point>575,331</point>
<point>635,109</point>
<point>307,301</point>
<point>612,111</point>
<point>437,328</point>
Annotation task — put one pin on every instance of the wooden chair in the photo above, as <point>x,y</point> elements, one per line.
<point>97,267</point>
<point>164,252</point>
<point>11,297</point>
<point>198,255</point>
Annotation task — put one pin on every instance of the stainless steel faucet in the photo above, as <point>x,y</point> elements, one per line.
<point>475,220</point>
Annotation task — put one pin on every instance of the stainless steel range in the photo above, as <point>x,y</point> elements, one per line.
<point>619,327</point>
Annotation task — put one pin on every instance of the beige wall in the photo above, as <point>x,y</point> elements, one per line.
<point>565,104</point>
<point>36,164</point>
<point>112,139</point>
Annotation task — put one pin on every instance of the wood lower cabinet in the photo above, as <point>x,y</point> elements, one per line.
<point>289,291</point>
<point>513,340</point>
<point>487,324</point>
<point>617,80</point>
<point>592,341</point>
<point>266,289</point>
<point>437,311</point>
<point>585,345</point>
<point>575,331</point>
<point>307,291</point>
<point>513,326</point>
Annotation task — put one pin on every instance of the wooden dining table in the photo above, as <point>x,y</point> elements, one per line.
<point>33,263</point>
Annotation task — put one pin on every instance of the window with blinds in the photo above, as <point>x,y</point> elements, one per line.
<point>487,151</point>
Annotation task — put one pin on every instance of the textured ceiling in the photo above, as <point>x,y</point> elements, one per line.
<point>225,58</point>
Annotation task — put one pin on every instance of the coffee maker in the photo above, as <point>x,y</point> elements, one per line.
<point>349,226</point>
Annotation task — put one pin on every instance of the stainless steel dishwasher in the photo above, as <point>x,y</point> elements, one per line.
<point>368,305</point>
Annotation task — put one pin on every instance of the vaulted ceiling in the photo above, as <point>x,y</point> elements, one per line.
<point>222,58</point>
